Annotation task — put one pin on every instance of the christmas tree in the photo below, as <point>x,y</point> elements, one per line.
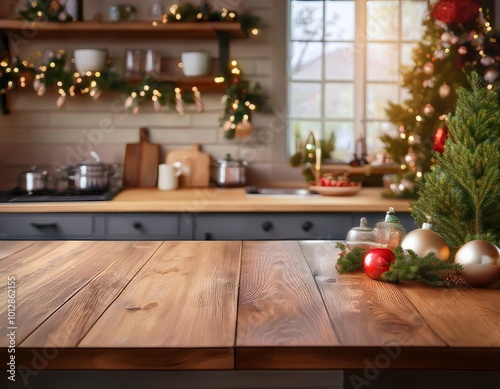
<point>461,193</point>
<point>458,39</point>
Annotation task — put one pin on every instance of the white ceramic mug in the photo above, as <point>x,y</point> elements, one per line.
<point>167,176</point>
<point>195,63</point>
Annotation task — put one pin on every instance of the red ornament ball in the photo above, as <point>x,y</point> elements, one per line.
<point>377,261</point>
<point>440,137</point>
<point>456,11</point>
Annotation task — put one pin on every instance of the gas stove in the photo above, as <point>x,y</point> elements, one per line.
<point>17,196</point>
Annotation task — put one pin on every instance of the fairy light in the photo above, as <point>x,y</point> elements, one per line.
<point>146,88</point>
<point>402,136</point>
<point>411,139</point>
<point>418,118</point>
<point>219,80</point>
<point>142,93</point>
<point>88,74</point>
<point>93,84</point>
<point>97,74</point>
<point>255,31</point>
<point>52,64</point>
<point>154,23</point>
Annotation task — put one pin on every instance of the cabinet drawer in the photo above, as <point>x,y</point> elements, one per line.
<point>276,226</point>
<point>46,226</point>
<point>148,226</point>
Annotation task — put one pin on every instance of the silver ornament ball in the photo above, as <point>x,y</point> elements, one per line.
<point>480,260</point>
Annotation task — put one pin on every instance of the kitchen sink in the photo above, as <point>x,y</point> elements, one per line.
<point>256,190</point>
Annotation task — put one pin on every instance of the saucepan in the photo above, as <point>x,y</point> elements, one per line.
<point>89,175</point>
<point>229,172</point>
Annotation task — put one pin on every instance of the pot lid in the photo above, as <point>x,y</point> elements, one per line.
<point>229,162</point>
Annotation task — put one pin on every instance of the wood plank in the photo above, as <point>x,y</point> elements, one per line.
<point>42,286</point>
<point>67,326</point>
<point>369,359</point>
<point>8,248</point>
<point>184,297</point>
<point>279,302</point>
<point>125,358</point>
<point>365,312</point>
<point>218,200</point>
<point>461,317</point>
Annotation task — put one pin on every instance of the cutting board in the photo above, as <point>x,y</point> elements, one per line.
<point>195,166</point>
<point>140,168</point>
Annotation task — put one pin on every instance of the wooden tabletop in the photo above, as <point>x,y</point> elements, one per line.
<point>218,200</point>
<point>217,305</point>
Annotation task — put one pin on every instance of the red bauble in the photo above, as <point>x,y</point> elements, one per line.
<point>440,138</point>
<point>377,261</point>
<point>456,11</point>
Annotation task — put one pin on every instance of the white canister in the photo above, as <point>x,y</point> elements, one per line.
<point>167,176</point>
<point>195,63</point>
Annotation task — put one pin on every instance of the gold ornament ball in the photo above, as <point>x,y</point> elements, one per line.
<point>243,129</point>
<point>424,241</point>
<point>481,263</point>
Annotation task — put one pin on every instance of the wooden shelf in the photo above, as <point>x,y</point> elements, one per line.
<point>204,83</point>
<point>129,30</point>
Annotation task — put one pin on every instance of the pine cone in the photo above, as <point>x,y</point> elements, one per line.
<point>453,280</point>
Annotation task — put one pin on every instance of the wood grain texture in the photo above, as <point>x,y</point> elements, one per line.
<point>140,167</point>
<point>127,358</point>
<point>45,284</point>
<point>461,317</point>
<point>279,302</point>
<point>184,297</point>
<point>195,166</point>
<point>365,312</point>
<point>8,248</point>
<point>218,200</point>
<point>67,326</point>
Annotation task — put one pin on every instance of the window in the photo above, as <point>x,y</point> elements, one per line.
<point>344,64</point>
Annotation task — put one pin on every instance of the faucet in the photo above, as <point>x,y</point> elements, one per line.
<point>312,140</point>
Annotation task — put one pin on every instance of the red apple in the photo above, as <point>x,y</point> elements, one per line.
<point>377,261</point>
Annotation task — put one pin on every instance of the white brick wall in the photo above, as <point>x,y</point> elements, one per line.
<point>39,133</point>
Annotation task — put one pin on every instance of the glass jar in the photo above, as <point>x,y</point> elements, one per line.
<point>389,233</point>
<point>361,237</point>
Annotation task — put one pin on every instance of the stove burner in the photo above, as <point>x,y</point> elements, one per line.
<point>16,195</point>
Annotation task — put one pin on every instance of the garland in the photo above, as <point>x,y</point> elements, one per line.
<point>45,11</point>
<point>407,266</point>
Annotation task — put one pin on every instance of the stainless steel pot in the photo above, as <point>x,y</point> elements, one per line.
<point>90,177</point>
<point>229,172</point>
<point>33,180</point>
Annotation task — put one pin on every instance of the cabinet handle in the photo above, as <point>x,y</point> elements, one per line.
<point>45,226</point>
<point>267,226</point>
<point>208,236</point>
<point>306,226</point>
<point>138,226</point>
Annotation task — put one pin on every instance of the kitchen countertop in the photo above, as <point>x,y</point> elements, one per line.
<point>219,305</point>
<point>218,200</point>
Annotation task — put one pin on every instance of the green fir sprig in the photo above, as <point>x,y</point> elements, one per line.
<point>429,269</point>
<point>407,266</point>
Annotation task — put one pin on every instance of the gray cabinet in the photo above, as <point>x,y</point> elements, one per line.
<point>187,226</point>
<point>269,226</point>
<point>148,226</point>
<point>52,226</point>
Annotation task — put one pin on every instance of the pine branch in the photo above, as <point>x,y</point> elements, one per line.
<point>350,261</point>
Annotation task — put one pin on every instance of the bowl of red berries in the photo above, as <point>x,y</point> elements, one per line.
<point>330,185</point>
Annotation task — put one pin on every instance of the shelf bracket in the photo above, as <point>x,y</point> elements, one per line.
<point>4,53</point>
<point>224,38</point>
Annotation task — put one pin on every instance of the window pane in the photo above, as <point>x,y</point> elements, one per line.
<point>382,20</point>
<point>306,61</point>
<point>307,20</point>
<point>344,139</point>
<point>377,96</point>
<point>339,61</point>
<point>374,131</point>
<point>382,62</point>
<point>412,15</point>
<point>407,54</point>
<point>340,20</point>
<point>305,100</point>
<point>339,101</point>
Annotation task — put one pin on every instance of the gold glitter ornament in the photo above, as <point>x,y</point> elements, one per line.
<point>424,240</point>
<point>480,260</point>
